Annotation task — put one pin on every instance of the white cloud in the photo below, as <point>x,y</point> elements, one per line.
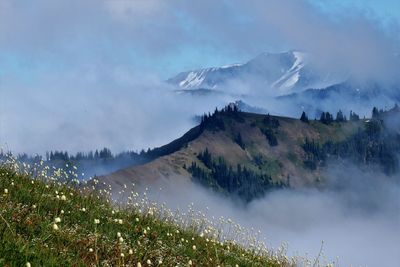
<point>95,50</point>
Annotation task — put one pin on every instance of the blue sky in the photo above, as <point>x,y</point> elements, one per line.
<point>386,12</point>
<point>193,56</point>
<point>387,9</point>
<point>187,44</point>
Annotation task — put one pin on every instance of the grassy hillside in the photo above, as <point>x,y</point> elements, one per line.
<point>44,222</point>
<point>269,145</point>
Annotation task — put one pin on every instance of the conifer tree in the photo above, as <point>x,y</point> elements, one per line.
<point>304,117</point>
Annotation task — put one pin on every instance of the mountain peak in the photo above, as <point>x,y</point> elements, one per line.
<point>282,73</point>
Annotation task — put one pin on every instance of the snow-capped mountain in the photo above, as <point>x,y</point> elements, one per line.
<point>281,73</point>
<point>290,82</point>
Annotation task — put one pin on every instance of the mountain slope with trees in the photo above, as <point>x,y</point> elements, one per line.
<point>245,154</point>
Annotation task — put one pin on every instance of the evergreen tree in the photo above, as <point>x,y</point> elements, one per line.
<point>270,135</point>
<point>354,116</point>
<point>239,141</point>
<point>375,113</point>
<point>323,117</point>
<point>241,181</point>
<point>271,122</point>
<point>340,117</point>
<point>326,118</point>
<point>304,117</point>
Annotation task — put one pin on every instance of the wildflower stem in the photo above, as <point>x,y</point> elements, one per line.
<point>8,225</point>
<point>95,245</point>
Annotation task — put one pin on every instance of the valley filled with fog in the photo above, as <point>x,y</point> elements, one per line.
<point>356,217</point>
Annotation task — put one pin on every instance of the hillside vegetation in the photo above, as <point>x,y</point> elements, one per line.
<point>246,154</point>
<point>46,222</point>
<point>267,149</point>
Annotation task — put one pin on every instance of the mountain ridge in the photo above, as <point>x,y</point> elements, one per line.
<point>284,72</point>
<point>285,151</point>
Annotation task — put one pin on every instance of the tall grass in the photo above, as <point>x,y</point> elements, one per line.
<point>49,219</point>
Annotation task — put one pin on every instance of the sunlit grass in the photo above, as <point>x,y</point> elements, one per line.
<point>47,220</point>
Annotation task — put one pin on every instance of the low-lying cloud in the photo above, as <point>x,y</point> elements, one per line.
<point>357,216</point>
<point>115,110</point>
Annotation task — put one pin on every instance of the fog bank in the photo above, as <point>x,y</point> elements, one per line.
<point>357,216</point>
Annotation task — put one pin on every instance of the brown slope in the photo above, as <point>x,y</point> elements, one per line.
<point>281,161</point>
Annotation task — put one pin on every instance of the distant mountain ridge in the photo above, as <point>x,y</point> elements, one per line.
<point>288,83</point>
<point>283,73</point>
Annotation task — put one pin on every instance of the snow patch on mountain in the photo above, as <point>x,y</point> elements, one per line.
<point>230,66</point>
<point>278,73</point>
<point>292,76</point>
<point>193,79</point>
